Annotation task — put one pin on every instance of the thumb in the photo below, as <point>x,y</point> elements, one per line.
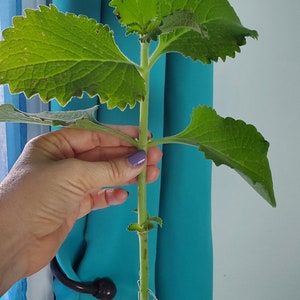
<point>119,171</point>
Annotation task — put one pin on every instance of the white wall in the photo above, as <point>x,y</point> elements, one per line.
<point>256,247</point>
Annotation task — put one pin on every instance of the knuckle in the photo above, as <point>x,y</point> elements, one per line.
<point>114,172</point>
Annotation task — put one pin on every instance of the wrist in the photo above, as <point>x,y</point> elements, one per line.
<point>13,262</point>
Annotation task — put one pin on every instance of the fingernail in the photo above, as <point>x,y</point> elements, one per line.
<point>137,158</point>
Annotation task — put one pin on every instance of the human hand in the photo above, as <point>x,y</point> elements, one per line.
<point>57,179</point>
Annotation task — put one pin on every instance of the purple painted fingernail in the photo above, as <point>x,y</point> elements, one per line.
<point>137,158</point>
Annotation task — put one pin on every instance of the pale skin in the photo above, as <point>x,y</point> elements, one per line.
<point>58,179</point>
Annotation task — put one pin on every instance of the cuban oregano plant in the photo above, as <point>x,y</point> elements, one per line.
<point>61,55</point>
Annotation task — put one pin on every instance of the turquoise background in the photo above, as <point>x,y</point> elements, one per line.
<point>180,252</point>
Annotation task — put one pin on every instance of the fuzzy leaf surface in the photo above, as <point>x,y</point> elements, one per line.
<point>233,143</point>
<point>177,20</point>
<point>59,55</point>
<point>8,113</point>
<point>139,16</point>
<point>83,119</point>
<point>224,31</point>
<point>212,30</point>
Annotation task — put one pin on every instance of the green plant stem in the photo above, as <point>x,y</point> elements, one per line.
<point>160,49</point>
<point>171,140</point>
<point>142,204</point>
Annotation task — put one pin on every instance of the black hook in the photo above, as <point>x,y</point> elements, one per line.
<point>102,288</point>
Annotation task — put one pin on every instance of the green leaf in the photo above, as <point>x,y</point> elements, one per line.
<point>177,20</point>
<point>148,226</point>
<point>135,227</point>
<point>204,30</point>
<point>157,220</point>
<point>8,113</point>
<point>145,227</point>
<point>181,19</point>
<point>233,143</point>
<point>141,17</point>
<point>59,55</point>
<point>83,119</point>
<point>225,33</point>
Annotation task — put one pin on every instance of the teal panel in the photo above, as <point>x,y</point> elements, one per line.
<point>184,255</point>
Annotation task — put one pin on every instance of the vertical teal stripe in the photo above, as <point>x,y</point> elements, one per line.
<point>184,260</point>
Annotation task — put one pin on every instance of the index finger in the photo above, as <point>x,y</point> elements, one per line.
<point>71,142</point>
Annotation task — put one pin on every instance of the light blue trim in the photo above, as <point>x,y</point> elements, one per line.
<point>15,133</point>
<point>15,142</point>
<point>16,292</point>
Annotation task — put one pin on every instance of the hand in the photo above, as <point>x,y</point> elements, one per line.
<point>59,178</point>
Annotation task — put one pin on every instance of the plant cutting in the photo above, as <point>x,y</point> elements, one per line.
<point>36,58</point>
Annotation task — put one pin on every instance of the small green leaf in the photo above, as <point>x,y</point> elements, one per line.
<point>233,143</point>
<point>157,220</point>
<point>59,55</point>
<point>148,226</point>
<point>135,227</point>
<point>140,17</point>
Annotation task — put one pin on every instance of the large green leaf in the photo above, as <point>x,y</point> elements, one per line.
<point>233,143</point>
<point>221,33</point>
<point>59,55</point>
